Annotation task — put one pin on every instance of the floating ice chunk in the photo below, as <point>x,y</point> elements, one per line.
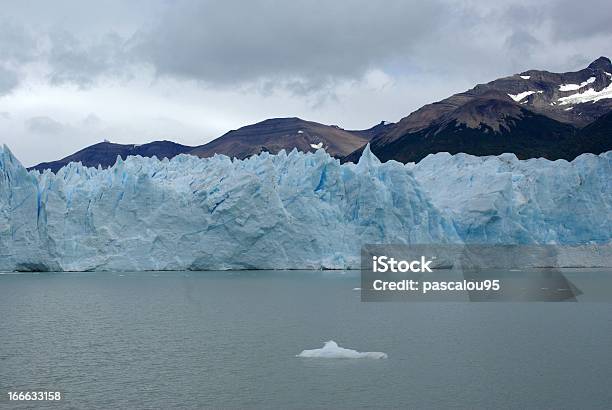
<point>300,132</point>
<point>317,146</point>
<point>331,350</point>
<point>525,77</point>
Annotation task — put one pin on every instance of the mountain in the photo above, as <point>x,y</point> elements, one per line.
<point>270,135</point>
<point>531,114</point>
<point>375,131</point>
<point>105,154</point>
<point>597,136</point>
<point>275,134</point>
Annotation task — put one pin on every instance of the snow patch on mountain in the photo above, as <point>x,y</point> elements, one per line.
<point>587,96</point>
<point>574,87</point>
<point>525,77</point>
<point>520,96</point>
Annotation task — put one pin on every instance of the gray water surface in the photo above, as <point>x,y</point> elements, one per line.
<point>206,339</point>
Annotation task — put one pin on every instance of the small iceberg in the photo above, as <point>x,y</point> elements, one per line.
<point>331,350</point>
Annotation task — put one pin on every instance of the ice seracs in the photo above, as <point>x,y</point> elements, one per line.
<point>291,210</point>
<point>331,350</point>
<point>503,200</point>
<point>286,211</point>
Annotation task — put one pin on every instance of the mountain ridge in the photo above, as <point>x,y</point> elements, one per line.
<point>532,113</point>
<point>264,136</point>
<point>274,134</point>
<point>561,105</point>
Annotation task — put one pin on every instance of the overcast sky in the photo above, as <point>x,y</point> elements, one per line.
<point>73,73</point>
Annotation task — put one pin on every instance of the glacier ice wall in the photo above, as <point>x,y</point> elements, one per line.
<point>501,199</point>
<point>271,211</point>
<point>289,211</point>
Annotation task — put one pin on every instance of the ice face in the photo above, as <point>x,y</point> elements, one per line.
<point>289,211</point>
<point>284,211</point>
<point>500,199</point>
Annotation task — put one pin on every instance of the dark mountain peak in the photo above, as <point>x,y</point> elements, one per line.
<point>492,95</point>
<point>493,109</point>
<point>282,121</point>
<point>532,114</point>
<point>105,154</point>
<point>602,63</point>
<point>275,134</point>
<point>374,131</point>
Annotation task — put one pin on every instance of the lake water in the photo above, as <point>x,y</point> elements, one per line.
<point>211,339</point>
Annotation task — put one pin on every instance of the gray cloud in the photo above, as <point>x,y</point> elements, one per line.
<point>91,121</point>
<point>43,125</point>
<point>18,44</point>
<point>76,62</point>
<point>8,81</point>
<point>522,43</point>
<point>576,20</point>
<point>301,46</point>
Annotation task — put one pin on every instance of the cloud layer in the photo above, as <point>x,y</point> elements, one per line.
<point>349,62</point>
<point>305,45</point>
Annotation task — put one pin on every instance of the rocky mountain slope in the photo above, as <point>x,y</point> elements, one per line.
<point>105,154</point>
<point>276,134</point>
<point>270,135</point>
<point>531,114</point>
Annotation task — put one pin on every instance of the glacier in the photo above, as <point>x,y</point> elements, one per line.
<point>291,210</point>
